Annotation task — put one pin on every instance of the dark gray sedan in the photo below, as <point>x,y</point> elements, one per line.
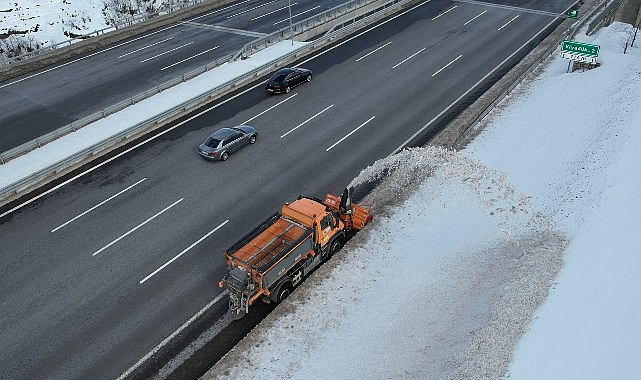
<point>285,79</point>
<point>226,141</point>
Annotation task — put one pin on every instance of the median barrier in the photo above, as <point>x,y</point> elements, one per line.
<point>40,177</point>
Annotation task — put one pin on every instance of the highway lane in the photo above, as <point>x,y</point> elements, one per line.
<point>78,301</point>
<point>52,97</point>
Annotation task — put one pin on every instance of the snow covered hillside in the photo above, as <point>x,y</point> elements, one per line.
<point>515,257</point>
<point>34,24</point>
<point>51,21</point>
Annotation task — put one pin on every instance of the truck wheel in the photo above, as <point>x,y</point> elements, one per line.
<point>335,247</point>
<point>283,292</point>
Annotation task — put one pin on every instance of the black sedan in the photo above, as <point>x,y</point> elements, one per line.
<point>226,141</point>
<point>285,79</point>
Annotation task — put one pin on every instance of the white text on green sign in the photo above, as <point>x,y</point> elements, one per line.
<point>581,48</point>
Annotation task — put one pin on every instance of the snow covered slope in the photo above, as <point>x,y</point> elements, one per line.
<point>451,280</point>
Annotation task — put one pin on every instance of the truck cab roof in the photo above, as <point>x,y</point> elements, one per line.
<point>304,211</point>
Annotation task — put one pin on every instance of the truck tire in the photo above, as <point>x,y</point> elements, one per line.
<point>335,247</point>
<point>284,292</point>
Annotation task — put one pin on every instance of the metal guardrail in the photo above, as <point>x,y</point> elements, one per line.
<point>74,126</point>
<point>248,49</point>
<point>607,12</point>
<point>300,27</point>
<point>572,31</point>
<point>364,15</point>
<point>5,61</point>
<point>94,150</point>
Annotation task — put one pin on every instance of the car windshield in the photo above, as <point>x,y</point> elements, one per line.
<point>212,142</point>
<point>279,77</point>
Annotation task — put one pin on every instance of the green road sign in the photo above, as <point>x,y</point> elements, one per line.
<point>573,14</point>
<point>579,48</point>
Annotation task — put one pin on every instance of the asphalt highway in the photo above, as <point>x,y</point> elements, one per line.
<point>97,273</point>
<point>43,101</point>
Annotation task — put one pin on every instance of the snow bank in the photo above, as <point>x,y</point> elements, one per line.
<point>454,252</point>
<point>465,246</point>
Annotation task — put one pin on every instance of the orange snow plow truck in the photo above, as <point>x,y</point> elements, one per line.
<point>273,258</point>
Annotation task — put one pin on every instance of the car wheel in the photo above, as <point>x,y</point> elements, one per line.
<point>224,156</point>
<point>309,78</point>
<point>252,139</point>
<point>287,90</point>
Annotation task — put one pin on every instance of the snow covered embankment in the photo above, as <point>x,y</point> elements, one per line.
<point>460,289</point>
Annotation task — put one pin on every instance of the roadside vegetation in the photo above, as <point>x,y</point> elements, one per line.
<point>29,26</point>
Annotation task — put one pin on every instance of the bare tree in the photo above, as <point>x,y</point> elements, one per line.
<point>123,11</point>
<point>15,46</point>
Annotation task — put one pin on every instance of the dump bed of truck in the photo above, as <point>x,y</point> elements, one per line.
<point>265,246</point>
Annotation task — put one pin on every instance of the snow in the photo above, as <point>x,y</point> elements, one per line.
<point>46,21</point>
<point>54,152</point>
<point>515,257</point>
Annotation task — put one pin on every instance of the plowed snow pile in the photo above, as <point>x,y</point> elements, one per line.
<point>465,247</point>
<point>444,288</point>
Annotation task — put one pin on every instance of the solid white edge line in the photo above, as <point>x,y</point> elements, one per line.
<point>85,57</point>
<point>507,23</point>
<point>187,59</point>
<point>98,205</point>
<point>306,121</point>
<point>186,324</point>
<point>349,134</point>
<point>373,51</point>
<point>474,18</point>
<point>170,337</point>
<point>99,165</point>
<point>408,58</point>
<point>179,330</point>
<point>137,227</point>
<point>268,109</point>
<point>191,118</point>
<point>444,12</point>
<point>400,147</point>
<point>363,32</point>
<point>183,252</point>
<point>444,67</point>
